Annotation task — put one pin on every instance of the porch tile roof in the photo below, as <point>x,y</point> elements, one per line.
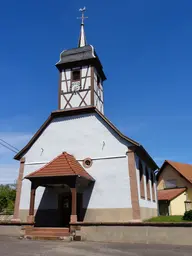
<point>63,165</point>
<point>169,194</point>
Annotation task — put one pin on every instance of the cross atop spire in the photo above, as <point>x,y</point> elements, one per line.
<point>82,39</point>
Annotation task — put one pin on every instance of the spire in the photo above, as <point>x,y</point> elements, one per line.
<point>82,40</point>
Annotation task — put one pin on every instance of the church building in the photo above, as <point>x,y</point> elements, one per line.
<point>78,167</point>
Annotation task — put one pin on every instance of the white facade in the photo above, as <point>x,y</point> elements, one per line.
<point>83,136</point>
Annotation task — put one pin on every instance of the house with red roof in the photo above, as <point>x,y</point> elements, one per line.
<point>174,188</point>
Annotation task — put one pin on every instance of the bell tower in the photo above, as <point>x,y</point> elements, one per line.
<point>81,75</point>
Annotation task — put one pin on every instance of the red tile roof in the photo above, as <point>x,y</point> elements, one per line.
<point>63,165</point>
<point>169,194</point>
<point>184,169</point>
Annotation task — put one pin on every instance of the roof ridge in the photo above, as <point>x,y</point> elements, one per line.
<point>66,154</point>
<point>171,161</point>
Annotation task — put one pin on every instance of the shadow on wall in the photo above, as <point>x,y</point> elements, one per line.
<point>51,214</point>
<point>86,198</point>
<point>47,214</point>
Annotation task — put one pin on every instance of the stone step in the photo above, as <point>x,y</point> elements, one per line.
<point>33,233</point>
<point>43,237</point>
<point>48,232</point>
<point>51,229</point>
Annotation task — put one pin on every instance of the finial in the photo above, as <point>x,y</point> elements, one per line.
<point>82,10</point>
<point>82,39</point>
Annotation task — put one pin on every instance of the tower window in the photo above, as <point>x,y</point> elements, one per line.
<point>76,75</point>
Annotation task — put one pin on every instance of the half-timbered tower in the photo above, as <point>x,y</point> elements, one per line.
<point>81,77</point>
<point>78,167</point>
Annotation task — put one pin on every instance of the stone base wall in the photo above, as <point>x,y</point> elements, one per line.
<point>117,214</point>
<point>147,213</point>
<point>108,215</point>
<point>140,234</point>
<point>96,215</point>
<point>23,215</point>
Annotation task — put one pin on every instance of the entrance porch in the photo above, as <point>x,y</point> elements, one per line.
<point>64,180</point>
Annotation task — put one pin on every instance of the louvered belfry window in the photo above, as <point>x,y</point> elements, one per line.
<point>76,75</point>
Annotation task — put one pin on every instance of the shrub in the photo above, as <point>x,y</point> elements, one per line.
<point>188,215</point>
<point>7,198</point>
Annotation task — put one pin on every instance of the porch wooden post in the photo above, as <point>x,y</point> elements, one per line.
<point>30,218</point>
<point>73,205</point>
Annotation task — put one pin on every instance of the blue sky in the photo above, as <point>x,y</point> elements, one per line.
<point>145,48</point>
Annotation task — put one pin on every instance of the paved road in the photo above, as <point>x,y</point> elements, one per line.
<point>15,247</point>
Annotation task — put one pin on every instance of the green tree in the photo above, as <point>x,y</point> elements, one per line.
<point>7,198</point>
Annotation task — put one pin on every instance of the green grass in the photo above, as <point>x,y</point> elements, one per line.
<point>173,218</point>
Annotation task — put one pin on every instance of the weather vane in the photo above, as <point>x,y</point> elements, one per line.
<point>82,10</point>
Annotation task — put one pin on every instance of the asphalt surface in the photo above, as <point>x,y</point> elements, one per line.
<point>15,247</point>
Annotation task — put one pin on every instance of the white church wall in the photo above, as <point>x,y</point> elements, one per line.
<point>83,136</point>
<point>47,198</point>
<point>40,192</point>
<point>112,186</point>
<point>25,194</point>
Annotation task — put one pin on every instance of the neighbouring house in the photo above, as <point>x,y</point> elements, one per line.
<point>174,188</point>
<point>79,167</point>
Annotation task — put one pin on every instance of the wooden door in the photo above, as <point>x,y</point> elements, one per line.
<point>65,209</point>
